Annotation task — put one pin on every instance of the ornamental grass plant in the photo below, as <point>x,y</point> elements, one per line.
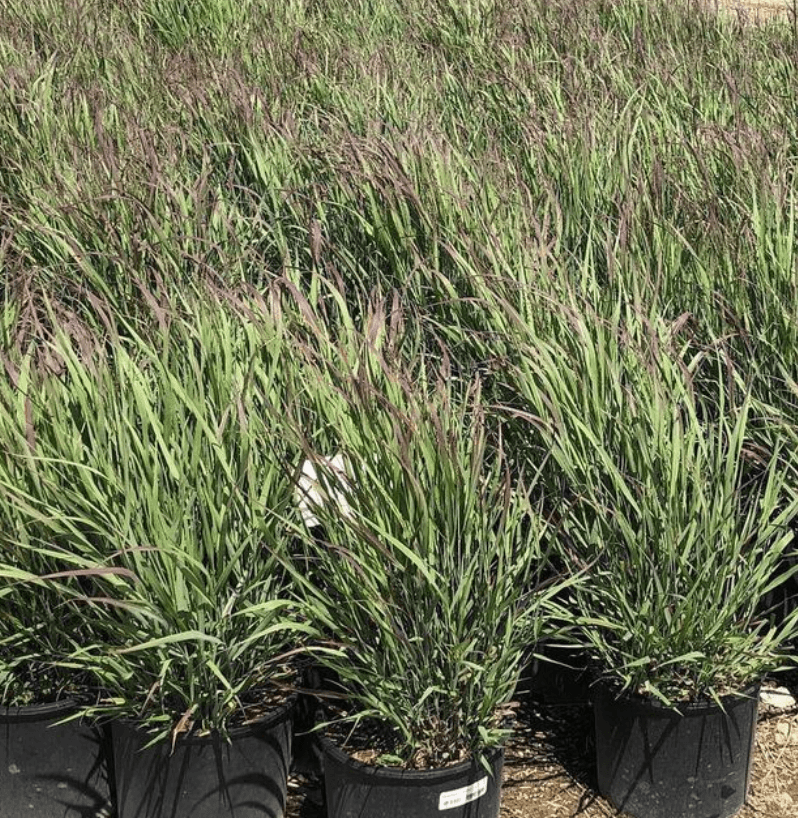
<point>641,150</point>
<point>158,465</point>
<point>423,575</point>
<point>41,577</point>
<point>517,172</point>
<point>35,664</point>
<point>677,516</point>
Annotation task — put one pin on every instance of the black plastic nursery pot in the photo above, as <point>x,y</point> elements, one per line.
<point>316,683</point>
<point>205,776</point>
<point>782,601</point>
<point>357,790</point>
<point>654,762</point>
<point>556,676</point>
<point>49,769</point>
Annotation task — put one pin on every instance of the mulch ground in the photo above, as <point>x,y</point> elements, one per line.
<point>550,771</point>
<point>752,11</point>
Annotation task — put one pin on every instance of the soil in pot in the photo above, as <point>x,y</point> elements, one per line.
<point>654,762</point>
<point>206,776</point>
<point>52,770</point>
<point>354,789</point>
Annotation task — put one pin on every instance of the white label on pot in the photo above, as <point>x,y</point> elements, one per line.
<point>456,798</point>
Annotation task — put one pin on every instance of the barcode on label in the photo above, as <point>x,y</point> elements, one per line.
<point>456,798</point>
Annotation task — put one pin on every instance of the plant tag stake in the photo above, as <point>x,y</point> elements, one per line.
<point>309,492</point>
<point>456,798</point>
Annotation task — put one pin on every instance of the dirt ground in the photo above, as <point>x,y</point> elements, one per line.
<point>753,10</point>
<point>549,769</point>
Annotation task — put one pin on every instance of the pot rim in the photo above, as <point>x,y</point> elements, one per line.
<point>330,748</point>
<point>273,717</point>
<point>609,686</point>
<point>38,712</point>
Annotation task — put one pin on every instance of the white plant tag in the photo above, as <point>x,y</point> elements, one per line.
<point>456,798</point>
<point>310,493</point>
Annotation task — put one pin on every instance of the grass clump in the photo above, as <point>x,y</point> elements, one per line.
<point>159,466</point>
<point>679,519</point>
<point>425,569</point>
